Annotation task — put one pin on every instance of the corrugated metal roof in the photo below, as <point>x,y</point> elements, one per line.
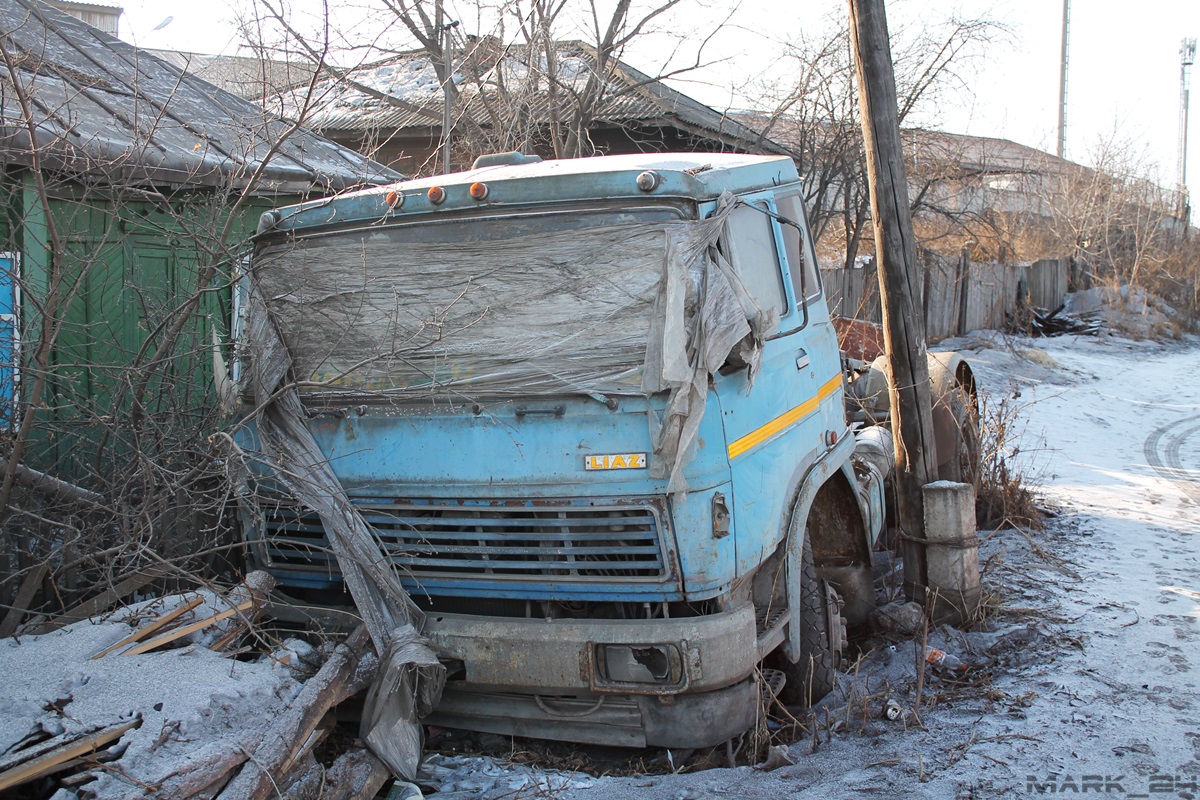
<point>247,77</point>
<point>105,6</point>
<point>403,93</point>
<point>984,154</point>
<point>101,106</point>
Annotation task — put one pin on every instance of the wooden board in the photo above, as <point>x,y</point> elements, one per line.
<point>20,605</point>
<point>179,633</point>
<point>58,758</point>
<point>158,624</point>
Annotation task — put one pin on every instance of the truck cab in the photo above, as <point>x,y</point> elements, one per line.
<point>593,413</point>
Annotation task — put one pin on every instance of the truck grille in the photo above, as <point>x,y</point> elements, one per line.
<point>565,541</point>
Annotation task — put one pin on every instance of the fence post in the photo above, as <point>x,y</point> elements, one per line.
<point>923,259</point>
<point>964,272</point>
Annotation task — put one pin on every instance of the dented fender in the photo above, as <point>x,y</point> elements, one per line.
<point>818,474</point>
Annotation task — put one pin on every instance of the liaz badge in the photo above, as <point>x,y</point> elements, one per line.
<point>615,461</point>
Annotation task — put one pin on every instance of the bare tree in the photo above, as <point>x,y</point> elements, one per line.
<point>1118,224</point>
<point>108,466</point>
<point>817,117</point>
<point>526,78</point>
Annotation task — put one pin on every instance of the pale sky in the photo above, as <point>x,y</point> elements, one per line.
<point>1123,75</point>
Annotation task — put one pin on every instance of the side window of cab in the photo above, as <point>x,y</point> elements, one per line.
<point>750,245</point>
<point>798,249</point>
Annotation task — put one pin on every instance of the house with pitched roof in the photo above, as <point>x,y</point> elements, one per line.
<point>562,100</point>
<point>128,188</point>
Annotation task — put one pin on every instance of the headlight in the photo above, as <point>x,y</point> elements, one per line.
<point>652,664</point>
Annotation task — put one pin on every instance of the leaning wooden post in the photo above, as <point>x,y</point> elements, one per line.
<point>899,284</point>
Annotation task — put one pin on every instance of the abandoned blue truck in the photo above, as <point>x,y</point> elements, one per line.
<point>595,414</point>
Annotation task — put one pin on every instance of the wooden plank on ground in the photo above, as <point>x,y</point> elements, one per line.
<point>57,759</point>
<point>10,760</point>
<point>292,727</point>
<point>179,633</point>
<point>157,625</point>
<point>25,594</point>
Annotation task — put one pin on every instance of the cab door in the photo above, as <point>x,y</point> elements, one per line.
<point>779,424</point>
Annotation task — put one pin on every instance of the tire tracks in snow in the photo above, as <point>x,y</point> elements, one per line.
<point>1164,459</point>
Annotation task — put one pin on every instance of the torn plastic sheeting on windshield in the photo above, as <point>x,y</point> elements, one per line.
<point>634,308</point>
<point>389,613</point>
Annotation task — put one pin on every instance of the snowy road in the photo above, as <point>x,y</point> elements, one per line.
<point>1162,452</point>
<point>1086,677</point>
<point>1096,685</point>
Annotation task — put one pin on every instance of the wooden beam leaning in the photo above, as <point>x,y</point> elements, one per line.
<point>286,737</point>
<point>24,597</point>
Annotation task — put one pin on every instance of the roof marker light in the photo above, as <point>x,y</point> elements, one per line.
<point>436,195</point>
<point>394,199</point>
<point>648,181</point>
<point>479,191</point>
<point>268,220</point>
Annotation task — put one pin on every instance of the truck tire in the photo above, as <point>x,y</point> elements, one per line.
<point>815,674</point>
<point>962,466</point>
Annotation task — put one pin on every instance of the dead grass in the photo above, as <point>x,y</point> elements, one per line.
<point>1006,495</point>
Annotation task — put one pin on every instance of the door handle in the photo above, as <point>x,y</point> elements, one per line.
<point>556,411</point>
<point>802,359</point>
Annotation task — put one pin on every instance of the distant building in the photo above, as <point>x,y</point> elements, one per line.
<point>505,99</point>
<point>99,15</point>
<point>977,174</point>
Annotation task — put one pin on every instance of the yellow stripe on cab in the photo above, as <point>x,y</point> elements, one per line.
<point>784,421</point>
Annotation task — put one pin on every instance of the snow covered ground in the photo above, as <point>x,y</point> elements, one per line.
<point>1094,664</point>
<point>1086,680</point>
<point>194,705</point>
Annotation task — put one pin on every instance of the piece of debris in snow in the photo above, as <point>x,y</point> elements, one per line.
<point>904,619</point>
<point>1056,323</point>
<point>478,776</point>
<point>893,710</point>
<point>943,660</point>
<point>778,756</point>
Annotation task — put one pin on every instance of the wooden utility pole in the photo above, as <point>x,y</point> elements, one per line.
<point>899,284</point>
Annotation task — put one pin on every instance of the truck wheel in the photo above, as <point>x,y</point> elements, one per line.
<point>815,674</point>
<point>960,460</point>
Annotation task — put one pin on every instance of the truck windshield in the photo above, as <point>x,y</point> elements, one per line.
<point>472,308</point>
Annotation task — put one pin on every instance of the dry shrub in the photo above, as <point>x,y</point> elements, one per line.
<point>1005,496</point>
<point>1177,281</point>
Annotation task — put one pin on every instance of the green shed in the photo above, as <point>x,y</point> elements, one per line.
<point>129,190</point>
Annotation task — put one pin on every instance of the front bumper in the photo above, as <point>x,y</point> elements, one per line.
<point>549,678</point>
<point>693,720</point>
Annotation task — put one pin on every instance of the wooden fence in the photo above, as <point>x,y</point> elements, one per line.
<point>958,295</point>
